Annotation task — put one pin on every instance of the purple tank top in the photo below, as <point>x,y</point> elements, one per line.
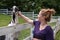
<point>45,34</point>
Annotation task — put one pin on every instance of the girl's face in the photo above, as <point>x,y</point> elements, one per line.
<point>45,14</point>
<point>40,16</point>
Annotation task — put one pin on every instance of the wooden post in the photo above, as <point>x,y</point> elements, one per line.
<point>57,28</point>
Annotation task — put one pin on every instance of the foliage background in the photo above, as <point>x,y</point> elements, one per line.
<point>31,5</point>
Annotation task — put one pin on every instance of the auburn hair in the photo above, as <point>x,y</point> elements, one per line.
<point>48,13</point>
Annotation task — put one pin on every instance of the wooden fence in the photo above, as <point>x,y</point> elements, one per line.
<point>10,32</point>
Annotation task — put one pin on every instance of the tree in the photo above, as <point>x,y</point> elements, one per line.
<point>31,5</point>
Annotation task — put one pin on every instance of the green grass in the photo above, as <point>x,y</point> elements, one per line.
<point>52,24</point>
<point>4,20</point>
<point>21,20</point>
<point>24,34</point>
<point>57,35</point>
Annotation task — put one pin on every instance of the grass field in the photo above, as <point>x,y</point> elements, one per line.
<point>5,19</point>
<point>57,35</point>
<point>52,24</point>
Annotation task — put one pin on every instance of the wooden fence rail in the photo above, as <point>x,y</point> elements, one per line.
<point>10,31</point>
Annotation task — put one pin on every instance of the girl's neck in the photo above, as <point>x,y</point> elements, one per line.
<point>43,23</point>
